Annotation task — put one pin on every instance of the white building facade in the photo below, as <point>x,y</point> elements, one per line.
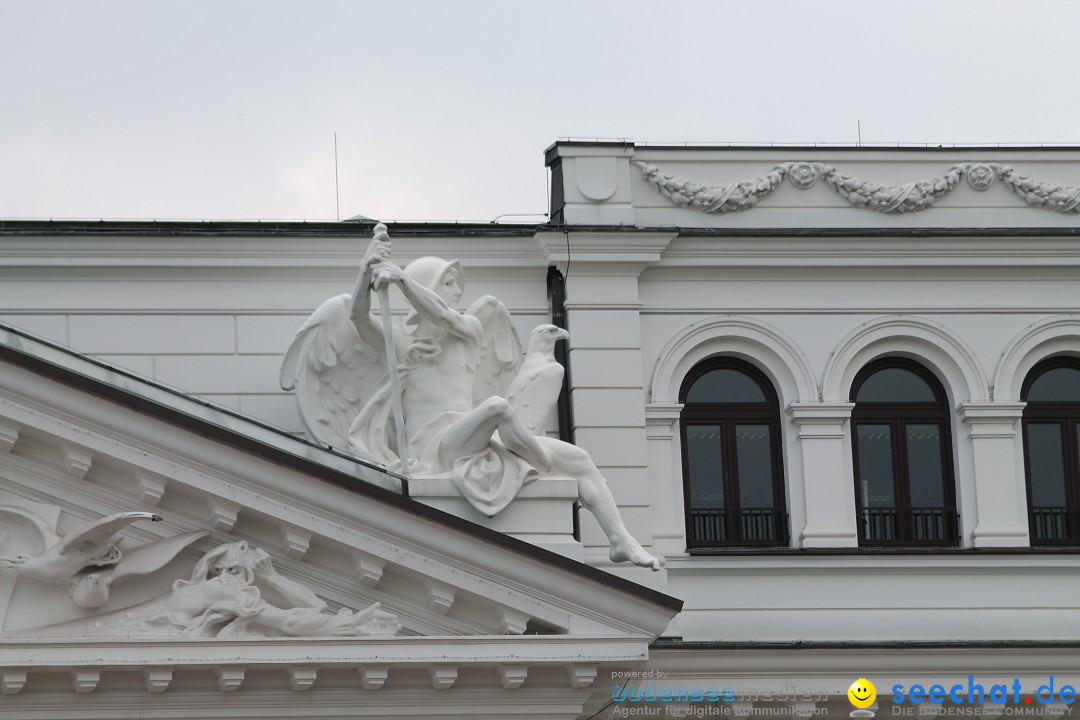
<point>835,389</point>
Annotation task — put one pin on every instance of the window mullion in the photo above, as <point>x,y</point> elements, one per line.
<point>901,481</point>
<point>732,501</point>
<point>1072,478</point>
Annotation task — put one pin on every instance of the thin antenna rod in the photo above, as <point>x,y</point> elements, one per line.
<point>337,191</point>
<point>859,123</point>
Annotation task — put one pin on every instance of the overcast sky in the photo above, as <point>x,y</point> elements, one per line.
<point>226,109</point>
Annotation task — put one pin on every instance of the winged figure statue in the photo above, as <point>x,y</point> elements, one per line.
<point>456,371</point>
<point>87,561</point>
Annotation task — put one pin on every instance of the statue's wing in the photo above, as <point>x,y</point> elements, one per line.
<point>500,349</point>
<point>48,535</point>
<point>98,533</point>
<point>152,556</point>
<point>333,371</point>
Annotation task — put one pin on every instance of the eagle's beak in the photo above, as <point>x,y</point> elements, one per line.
<point>562,335</point>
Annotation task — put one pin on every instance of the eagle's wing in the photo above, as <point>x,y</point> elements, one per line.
<point>534,393</point>
<point>48,535</point>
<point>152,556</point>
<point>500,349</point>
<point>333,371</point>
<point>98,533</point>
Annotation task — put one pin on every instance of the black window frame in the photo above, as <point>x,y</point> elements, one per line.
<point>903,525</point>
<point>1067,414</point>
<point>730,526</point>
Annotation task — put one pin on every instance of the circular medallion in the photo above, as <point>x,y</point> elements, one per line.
<point>980,176</point>
<point>802,175</point>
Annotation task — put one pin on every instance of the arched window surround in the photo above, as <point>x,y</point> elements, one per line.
<point>732,429</point>
<point>906,520</point>
<point>1052,523</point>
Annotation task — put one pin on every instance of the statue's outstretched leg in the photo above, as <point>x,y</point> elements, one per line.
<point>471,433</point>
<point>596,497</point>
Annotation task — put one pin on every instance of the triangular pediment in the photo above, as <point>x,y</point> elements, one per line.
<point>81,442</point>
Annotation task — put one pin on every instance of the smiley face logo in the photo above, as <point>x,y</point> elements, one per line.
<point>862,693</point>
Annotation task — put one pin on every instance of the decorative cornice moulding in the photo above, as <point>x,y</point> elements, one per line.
<point>889,199</point>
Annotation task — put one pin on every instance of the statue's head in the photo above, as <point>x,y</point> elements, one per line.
<point>229,561</point>
<point>444,277</point>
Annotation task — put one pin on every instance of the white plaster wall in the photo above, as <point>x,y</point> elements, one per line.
<point>169,310</point>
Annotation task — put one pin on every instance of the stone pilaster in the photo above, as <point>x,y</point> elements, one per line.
<point>1000,494</point>
<point>828,484</point>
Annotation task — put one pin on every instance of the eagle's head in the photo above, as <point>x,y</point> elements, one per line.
<point>544,337</point>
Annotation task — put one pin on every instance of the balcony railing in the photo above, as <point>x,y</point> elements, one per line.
<point>720,527</point>
<point>900,526</point>
<point>1054,525</point>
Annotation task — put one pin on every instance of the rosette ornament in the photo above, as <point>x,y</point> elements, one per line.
<point>980,176</point>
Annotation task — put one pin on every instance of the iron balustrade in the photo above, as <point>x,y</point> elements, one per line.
<point>720,527</point>
<point>1054,525</point>
<point>906,526</point>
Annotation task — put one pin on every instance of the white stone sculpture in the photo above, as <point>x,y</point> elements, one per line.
<point>456,371</point>
<point>888,199</point>
<point>536,387</point>
<point>233,592</point>
<point>87,562</point>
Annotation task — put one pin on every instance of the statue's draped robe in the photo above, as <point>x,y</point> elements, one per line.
<point>489,479</point>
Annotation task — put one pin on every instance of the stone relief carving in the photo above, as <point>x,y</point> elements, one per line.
<point>713,198</point>
<point>912,197</point>
<point>469,408</point>
<point>87,562</point>
<point>980,176</point>
<point>234,590</point>
<point>1059,198</point>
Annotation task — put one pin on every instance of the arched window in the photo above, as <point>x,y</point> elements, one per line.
<point>904,490</point>
<point>732,469</point>
<point>1051,426</point>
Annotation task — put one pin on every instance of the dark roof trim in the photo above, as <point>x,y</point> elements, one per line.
<point>673,644</point>
<point>551,153</point>
<point>304,229</point>
<point>855,551</point>
<point>171,228</point>
<point>225,436</point>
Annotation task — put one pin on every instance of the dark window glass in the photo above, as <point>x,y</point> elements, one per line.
<point>1060,384</point>
<point>1051,438</point>
<point>705,457</point>
<point>733,474</point>
<point>876,465</point>
<point>895,384</point>
<point>1046,467</point>
<point>903,471</point>
<point>924,464</point>
<point>726,385</point>
<point>753,447</point>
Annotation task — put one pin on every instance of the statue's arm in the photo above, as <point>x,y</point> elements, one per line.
<point>367,325</point>
<point>434,308</point>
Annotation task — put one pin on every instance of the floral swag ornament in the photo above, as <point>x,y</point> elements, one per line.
<point>913,197</point>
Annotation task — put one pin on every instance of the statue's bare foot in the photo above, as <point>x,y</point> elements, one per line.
<point>629,549</point>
